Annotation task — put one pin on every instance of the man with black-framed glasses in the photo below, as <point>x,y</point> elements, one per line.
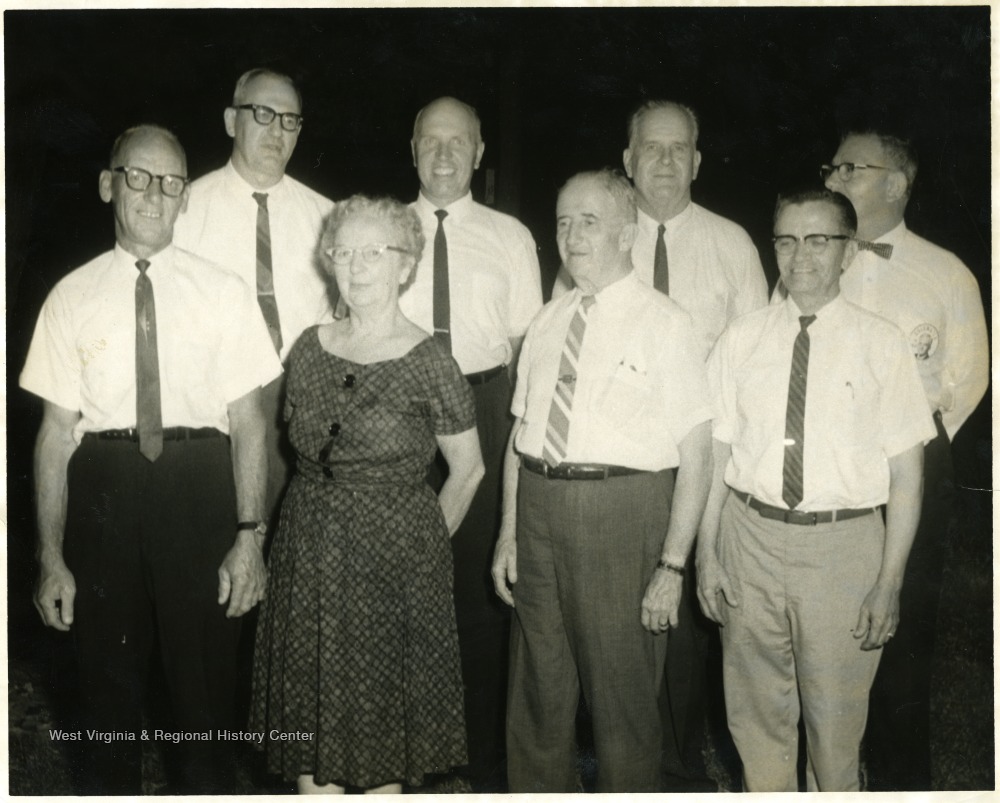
<point>149,473</point>
<point>253,218</point>
<point>819,422</point>
<point>934,298</point>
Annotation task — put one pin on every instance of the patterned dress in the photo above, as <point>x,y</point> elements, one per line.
<point>357,642</point>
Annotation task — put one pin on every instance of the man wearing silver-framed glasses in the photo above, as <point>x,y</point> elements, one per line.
<point>253,218</point>
<point>935,300</point>
<point>794,560</point>
<point>149,472</point>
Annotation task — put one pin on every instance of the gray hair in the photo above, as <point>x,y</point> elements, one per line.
<point>651,105</point>
<point>614,182</point>
<point>402,218</point>
<point>125,139</point>
<point>239,93</point>
<point>899,151</point>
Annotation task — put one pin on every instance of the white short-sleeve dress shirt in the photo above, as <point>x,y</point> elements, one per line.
<point>494,281</point>
<point>211,349</point>
<point>640,384</point>
<point>220,225</point>
<point>863,403</point>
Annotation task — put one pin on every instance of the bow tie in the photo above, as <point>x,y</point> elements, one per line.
<point>883,250</point>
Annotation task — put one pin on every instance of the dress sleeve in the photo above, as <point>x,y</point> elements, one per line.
<point>452,405</point>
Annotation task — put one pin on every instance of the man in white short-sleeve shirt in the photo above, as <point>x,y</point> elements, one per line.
<point>149,470</point>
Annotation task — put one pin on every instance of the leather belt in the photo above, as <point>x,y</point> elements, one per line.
<point>482,377</point>
<point>577,471</point>
<point>169,434</point>
<point>804,517</point>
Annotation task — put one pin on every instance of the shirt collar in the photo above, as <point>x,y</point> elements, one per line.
<point>125,262</point>
<point>648,225</point>
<point>609,296</point>
<point>828,312</point>
<point>894,236</point>
<point>456,209</point>
<point>242,188</point>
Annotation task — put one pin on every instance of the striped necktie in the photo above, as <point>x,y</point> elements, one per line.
<point>557,430</point>
<point>148,413</point>
<point>795,415</point>
<point>661,274</point>
<point>442,292</point>
<point>265,272</point>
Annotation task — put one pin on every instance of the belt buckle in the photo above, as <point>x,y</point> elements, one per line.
<point>802,517</point>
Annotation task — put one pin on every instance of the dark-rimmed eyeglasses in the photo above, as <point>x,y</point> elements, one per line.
<point>845,170</point>
<point>138,179</point>
<point>290,121</point>
<point>371,253</point>
<point>785,244</point>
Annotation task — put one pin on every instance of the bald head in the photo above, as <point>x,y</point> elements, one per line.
<point>447,148</point>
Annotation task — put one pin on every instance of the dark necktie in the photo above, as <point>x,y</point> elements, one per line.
<point>661,276</point>
<point>148,415</point>
<point>557,428</point>
<point>442,296</point>
<point>883,250</point>
<point>795,415</point>
<point>265,273</point>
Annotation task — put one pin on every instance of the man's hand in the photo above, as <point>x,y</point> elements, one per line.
<point>661,600</point>
<point>242,576</point>
<point>878,617</point>
<point>54,596</point>
<point>713,580</point>
<point>505,567</point>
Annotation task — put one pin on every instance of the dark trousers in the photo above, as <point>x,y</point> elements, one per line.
<point>586,551</point>
<point>897,738</point>
<point>144,542</point>
<point>483,619</point>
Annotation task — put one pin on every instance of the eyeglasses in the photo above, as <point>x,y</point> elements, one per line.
<point>138,179</point>
<point>785,244</point>
<point>369,253</point>
<point>845,170</point>
<point>265,116</point>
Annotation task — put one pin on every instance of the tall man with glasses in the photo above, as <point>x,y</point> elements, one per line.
<point>476,290</point>
<point>253,218</point>
<point>794,560</point>
<point>611,398</point>
<point>710,267</point>
<point>935,300</point>
<point>149,472</point>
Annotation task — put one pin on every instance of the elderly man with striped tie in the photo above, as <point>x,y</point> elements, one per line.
<point>794,560</point>
<point>611,398</point>
<point>150,471</point>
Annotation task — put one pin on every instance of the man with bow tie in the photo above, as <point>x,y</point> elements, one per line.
<point>150,470</point>
<point>935,300</point>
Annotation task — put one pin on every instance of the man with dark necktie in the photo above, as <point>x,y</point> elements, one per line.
<point>604,484</point>
<point>476,290</point>
<point>929,294</point>
<point>794,560</point>
<point>149,471</point>
<point>253,218</point>
<point>710,267</point>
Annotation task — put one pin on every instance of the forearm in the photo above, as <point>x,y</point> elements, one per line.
<point>456,497</point>
<point>511,466</point>
<point>465,472</point>
<point>515,353</point>
<point>53,449</point>
<point>690,493</point>
<point>249,456</point>
<point>708,529</point>
<point>902,514</point>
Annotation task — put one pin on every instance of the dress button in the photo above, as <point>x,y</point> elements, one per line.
<point>349,380</point>
<point>328,472</point>
<point>334,429</point>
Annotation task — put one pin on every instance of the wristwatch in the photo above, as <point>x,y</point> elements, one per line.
<point>259,527</point>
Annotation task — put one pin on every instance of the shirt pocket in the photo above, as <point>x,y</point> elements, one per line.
<point>624,398</point>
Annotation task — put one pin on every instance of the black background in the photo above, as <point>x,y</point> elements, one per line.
<point>553,87</point>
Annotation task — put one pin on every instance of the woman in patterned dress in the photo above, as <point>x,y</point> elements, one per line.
<point>357,680</point>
